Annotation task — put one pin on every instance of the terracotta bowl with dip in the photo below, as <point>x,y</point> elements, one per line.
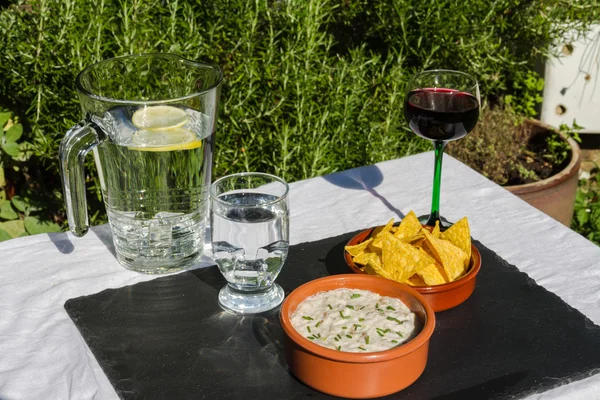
<point>440,297</point>
<point>364,374</point>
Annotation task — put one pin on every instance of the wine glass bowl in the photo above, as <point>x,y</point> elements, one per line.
<point>441,106</point>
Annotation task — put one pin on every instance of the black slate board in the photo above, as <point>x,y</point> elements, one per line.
<point>168,338</point>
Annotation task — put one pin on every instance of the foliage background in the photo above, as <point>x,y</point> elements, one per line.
<point>312,86</point>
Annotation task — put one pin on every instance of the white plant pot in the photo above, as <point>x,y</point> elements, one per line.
<point>572,84</point>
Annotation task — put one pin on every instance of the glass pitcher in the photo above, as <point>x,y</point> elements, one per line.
<point>149,120</point>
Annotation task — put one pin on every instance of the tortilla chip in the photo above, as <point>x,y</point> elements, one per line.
<point>435,232</point>
<point>401,260</point>
<point>375,267</point>
<point>359,248</point>
<point>459,235</point>
<point>376,262</point>
<point>432,275</point>
<point>362,258</point>
<point>409,226</point>
<point>451,257</point>
<point>382,229</point>
<point>369,270</point>
<point>378,234</point>
<point>417,241</point>
<point>416,280</point>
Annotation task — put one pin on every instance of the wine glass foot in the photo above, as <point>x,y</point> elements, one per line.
<point>250,302</point>
<point>427,220</point>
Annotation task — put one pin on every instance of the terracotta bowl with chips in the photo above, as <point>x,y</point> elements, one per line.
<point>358,375</point>
<point>440,297</point>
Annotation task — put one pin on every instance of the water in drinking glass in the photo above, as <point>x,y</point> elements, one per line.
<point>250,243</point>
<point>250,239</point>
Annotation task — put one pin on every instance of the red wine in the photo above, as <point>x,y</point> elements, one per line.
<point>441,114</point>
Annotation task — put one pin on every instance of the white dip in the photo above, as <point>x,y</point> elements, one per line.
<point>354,320</point>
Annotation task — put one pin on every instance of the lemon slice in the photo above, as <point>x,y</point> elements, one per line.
<point>159,117</point>
<point>165,140</point>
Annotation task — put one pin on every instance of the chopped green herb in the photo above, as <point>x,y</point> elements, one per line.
<point>361,319</point>
<point>355,296</point>
<point>376,305</point>
<point>379,333</point>
<point>366,339</point>
<point>343,316</point>
<point>394,341</point>
<point>336,339</point>
<point>329,305</point>
<point>318,335</point>
<point>307,318</point>
<point>390,308</point>
<point>339,348</point>
<point>362,307</point>
<point>356,326</point>
<point>344,327</point>
<point>308,327</point>
<point>318,323</point>
<point>362,348</point>
<point>395,320</point>
<point>399,334</point>
<point>350,307</point>
<point>349,336</point>
<point>311,337</point>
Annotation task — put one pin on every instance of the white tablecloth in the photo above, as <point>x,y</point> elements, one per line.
<point>43,356</point>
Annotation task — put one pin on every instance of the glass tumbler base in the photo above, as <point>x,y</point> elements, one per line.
<point>250,302</point>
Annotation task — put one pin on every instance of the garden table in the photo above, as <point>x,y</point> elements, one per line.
<point>43,355</point>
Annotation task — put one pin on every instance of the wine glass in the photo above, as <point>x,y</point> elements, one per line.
<point>441,106</point>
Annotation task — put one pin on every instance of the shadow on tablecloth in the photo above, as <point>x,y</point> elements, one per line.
<point>364,178</point>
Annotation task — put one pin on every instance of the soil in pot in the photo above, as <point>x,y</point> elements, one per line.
<point>512,151</point>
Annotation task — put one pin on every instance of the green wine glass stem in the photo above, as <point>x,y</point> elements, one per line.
<point>437,180</point>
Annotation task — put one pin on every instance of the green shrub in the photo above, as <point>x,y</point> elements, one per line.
<point>586,219</point>
<point>312,86</point>
<point>19,204</point>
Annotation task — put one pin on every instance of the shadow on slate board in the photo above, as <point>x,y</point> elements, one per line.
<point>169,339</point>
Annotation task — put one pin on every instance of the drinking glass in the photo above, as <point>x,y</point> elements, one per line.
<point>250,239</point>
<point>149,120</point>
<point>441,106</point>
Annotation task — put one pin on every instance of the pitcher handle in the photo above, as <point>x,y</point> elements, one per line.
<point>76,144</point>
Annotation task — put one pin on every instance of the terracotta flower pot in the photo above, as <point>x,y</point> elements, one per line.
<point>555,195</point>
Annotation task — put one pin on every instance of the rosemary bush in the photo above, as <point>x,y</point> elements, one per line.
<point>586,220</point>
<point>312,86</point>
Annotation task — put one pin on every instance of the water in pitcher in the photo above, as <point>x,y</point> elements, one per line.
<point>154,170</point>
